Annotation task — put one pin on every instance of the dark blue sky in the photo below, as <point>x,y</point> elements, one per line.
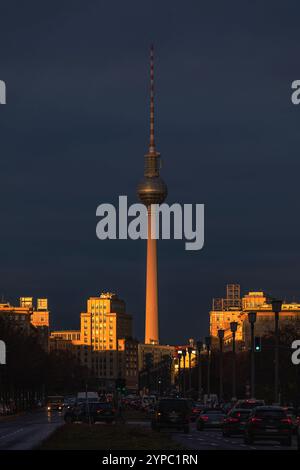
<point>75,129</point>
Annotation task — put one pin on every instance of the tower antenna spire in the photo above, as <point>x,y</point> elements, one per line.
<point>152,142</point>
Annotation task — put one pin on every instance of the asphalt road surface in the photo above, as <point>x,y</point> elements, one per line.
<point>28,431</point>
<point>213,440</point>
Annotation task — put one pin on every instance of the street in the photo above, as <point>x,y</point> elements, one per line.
<point>213,440</point>
<point>28,431</point>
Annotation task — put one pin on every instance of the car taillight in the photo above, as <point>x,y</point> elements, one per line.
<point>232,420</point>
<point>204,418</point>
<point>255,420</point>
<point>286,421</point>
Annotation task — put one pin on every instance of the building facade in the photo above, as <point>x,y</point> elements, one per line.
<point>224,312</point>
<point>29,318</point>
<point>104,342</point>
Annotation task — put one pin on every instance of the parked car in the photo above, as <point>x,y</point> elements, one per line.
<point>55,403</point>
<point>171,413</point>
<point>90,412</point>
<point>210,418</point>
<point>235,421</point>
<point>269,422</point>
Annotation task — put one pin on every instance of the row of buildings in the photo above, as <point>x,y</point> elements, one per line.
<point>235,308</point>
<point>105,344</point>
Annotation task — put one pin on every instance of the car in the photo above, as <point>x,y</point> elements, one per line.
<point>298,437</point>
<point>210,418</point>
<point>5,409</point>
<point>55,403</point>
<point>171,413</point>
<point>84,397</point>
<point>292,413</point>
<point>90,412</point>
<point>148,401</point>
<point>197,408</point>
<point>248,404</point>
<point>235,422</point>
<point>268,422</point>
<point>69,402</point>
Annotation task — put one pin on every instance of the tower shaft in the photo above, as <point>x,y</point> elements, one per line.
<point>151,323</point>
<point>151,190</point>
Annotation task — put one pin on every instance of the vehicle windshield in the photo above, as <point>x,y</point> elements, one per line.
<point>98,406</point>
<point>84,400</point>
<point>214,411</point>
<point>250,404</point>
<point>270,413</point>
<point>170,405</point>
<point>55,399</point>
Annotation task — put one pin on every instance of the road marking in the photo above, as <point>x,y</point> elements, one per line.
<point>12,433</point>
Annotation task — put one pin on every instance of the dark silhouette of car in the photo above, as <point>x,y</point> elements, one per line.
<point>197,408</point>
<point>235,422</point>
<point>210,419</point>
<point>172,413</point>
<point>292,413</point>
<point>248,404</point>
<point>90,412</point>
<point>269,423</point>
<point>55,403</point>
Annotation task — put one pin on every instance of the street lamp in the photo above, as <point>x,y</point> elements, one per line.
<point>252,320</point>
<point>233,328</point>
<point>208,344</point>
<point>276,308</point>
<point>190,350</point>
<point>221,340</point>
<point>159,386</point>
<point>179,370</point>
<point>184,356</point>
<point>199,349</point>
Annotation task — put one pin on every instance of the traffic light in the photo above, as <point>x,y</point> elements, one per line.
<point>257,344</point>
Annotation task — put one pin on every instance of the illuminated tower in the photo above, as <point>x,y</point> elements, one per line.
<point>151,190</point>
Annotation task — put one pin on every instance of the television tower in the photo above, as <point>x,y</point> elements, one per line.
<point>151,190</point>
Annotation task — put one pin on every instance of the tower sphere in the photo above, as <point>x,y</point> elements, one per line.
<point>152,190</point>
